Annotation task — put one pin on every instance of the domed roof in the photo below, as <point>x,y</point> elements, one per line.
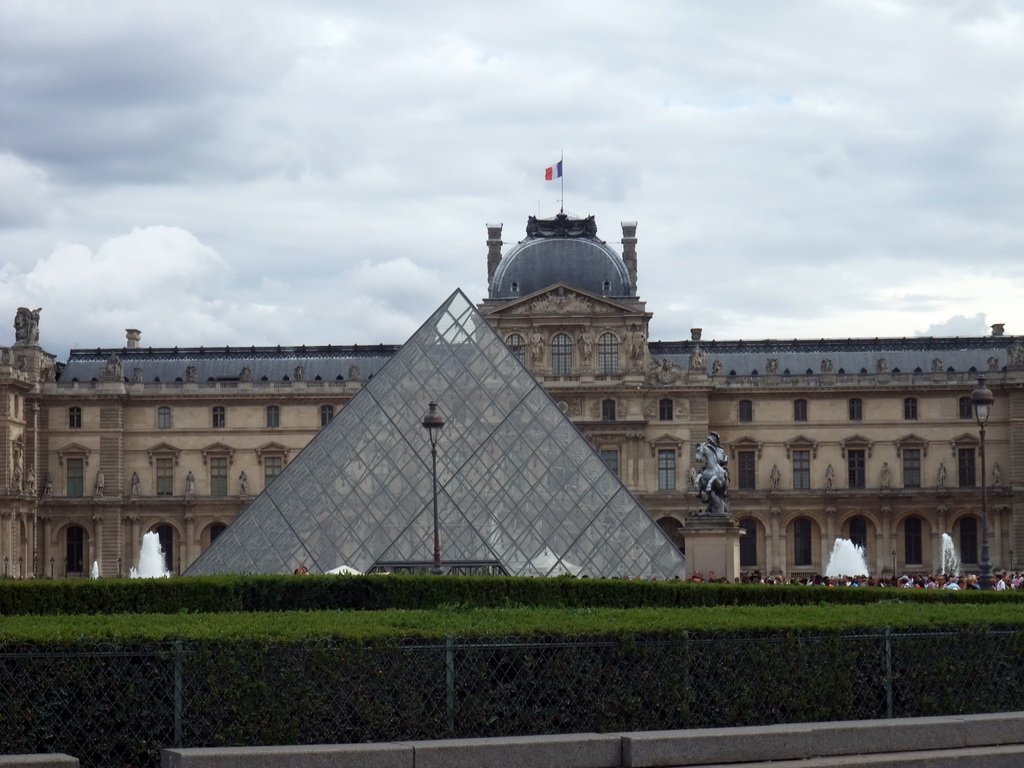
<point>560,250</point>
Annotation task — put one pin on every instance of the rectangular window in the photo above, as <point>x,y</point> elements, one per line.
<point>76,477</point>
<point>219,476</point>
<point>856,467</point>
<point>746,410</point>
<point>911,468</point>
<point>910,409</point>
<point>666,470</point>
<point>610,457</point>
<point>966,408</point>
<point>273,416</point>
<point>965,464</point>
<point>219,417</point>
<point>801,470</point>
<point>856,409</point>
<point>326,414</point>
<point>799,410</point>
<point>665,408</point>
<point>163,417</point>
<point>271,469</point>
<point>608,410</point>
<point>74,417</point>
<point>164,476</point>
<point>747,470</point>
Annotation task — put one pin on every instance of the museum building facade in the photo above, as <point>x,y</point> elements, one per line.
<point>872,440</point>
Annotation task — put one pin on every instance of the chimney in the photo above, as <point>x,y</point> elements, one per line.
<point>997,329</point>
<point>493,250</point>
<point>133,335</point>
<point>695,333</point>
<point>629,251</point>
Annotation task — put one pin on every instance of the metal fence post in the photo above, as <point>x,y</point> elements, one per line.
<point>888,672</point>
<point>449,680</point>
<point>179,692</point>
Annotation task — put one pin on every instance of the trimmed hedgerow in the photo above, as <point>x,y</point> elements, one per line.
<point>210,594</point>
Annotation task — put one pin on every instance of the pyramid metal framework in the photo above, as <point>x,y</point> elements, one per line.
<point>519,486</point>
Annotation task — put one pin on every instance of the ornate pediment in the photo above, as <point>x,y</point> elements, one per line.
<point>667,441</point>
<point>801,443</point>
<point>856,442</point>
<point>966,440</point>
<point>746,443</point>
<point>218,449</point>
<point>73,449</point>
<point>164,449</point>
<point>271,449</point>
<point>560,299</point>
<point>911,441</point>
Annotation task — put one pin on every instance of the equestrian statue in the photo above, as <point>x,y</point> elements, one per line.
<point>712,483</point>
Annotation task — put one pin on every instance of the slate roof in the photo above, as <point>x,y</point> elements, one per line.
<point>851,356</point>
<point>226,363</point>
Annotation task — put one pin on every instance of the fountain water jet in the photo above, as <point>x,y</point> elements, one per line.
<point>949,560</point>
<point>847,559</point>
<point>151,559</point>
<point>95,573</point>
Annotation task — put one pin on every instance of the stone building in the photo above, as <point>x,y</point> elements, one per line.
<point>873,440</point>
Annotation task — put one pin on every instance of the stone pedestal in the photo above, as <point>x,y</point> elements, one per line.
<point>713,544</point>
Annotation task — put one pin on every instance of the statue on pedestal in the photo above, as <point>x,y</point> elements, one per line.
<point>712,483</point>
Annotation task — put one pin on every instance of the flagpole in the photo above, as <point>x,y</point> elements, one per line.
<point>561,162</point>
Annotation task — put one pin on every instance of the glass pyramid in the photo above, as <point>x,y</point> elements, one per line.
<point>520,490</point>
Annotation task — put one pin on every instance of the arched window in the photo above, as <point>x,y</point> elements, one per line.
<point>968,539</point>
<point>517,344</point>
<point>163,417</point>
<point>665,409</point>
<point>75,550</point>
<point>561,355</point>
<point>801,541</point>
<point>859,533</point>
<point>912,540</point>
<point>165,534</point>
<point>216,530</point>
<point>748,543</point>
<point>608,410</point>
<point>608,354</point>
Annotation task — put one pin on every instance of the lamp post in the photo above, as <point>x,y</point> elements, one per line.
<point>433,423</point>
<point>982,399</point>
<point>894,563</point>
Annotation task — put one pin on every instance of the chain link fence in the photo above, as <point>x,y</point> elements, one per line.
<point>118,704</point>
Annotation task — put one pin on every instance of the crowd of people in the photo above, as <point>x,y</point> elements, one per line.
<point>1001,580</point>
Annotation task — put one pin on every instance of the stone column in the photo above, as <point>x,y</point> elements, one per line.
<point>775,543</point>
<point>190,543</point>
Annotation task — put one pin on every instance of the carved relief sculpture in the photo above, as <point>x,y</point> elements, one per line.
<point>135,484</point>
<point>113,370</point>
<point>190,485</point>
<point>771,365</point>
<point>191,373</point>
<point>882,366</point>
<point>586,343</point>
<point>826,366</point>
<point>243,482</point>
<point>886,476</point>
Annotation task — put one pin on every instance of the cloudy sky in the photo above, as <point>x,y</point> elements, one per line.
<point>321,171</point>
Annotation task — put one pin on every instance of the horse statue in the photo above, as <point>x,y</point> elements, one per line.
<point>712,483</point>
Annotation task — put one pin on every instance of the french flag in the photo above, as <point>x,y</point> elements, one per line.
<point>554,172</point>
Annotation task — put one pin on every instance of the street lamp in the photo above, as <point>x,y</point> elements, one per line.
<point>894,563</point>
<point>982,399</point>
<point>433,423</point>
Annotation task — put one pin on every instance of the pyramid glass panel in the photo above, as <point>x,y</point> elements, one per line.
<point>518,485</point>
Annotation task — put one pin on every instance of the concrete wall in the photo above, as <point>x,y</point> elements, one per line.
<point>985,741</point>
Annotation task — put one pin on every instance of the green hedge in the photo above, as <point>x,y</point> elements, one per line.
<point>212,594</point>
